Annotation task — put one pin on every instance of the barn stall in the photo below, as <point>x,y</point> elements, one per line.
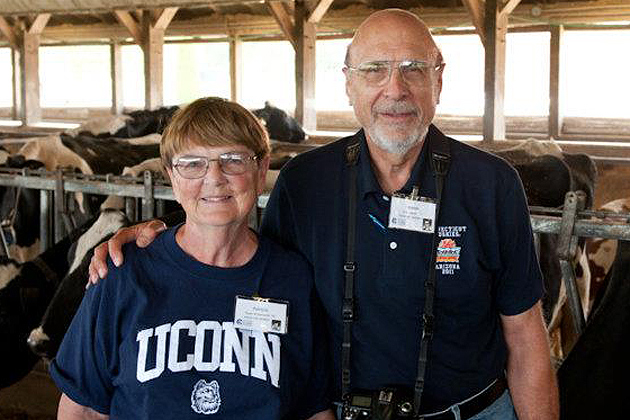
<point>25,26</point>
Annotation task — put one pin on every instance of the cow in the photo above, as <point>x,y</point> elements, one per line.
<point>25,292</point>
<point>44,340</point>
<point>134,124</point>
<point>548,174</point>
<point>591,377</point>
<point>601,252</point>
<point>82,153</point>
<point>4,155</point>
<point>280,125</point>
<point>19,207</point>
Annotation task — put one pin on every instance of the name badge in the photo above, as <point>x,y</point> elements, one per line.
<point>261,314</point>
<point>412,213</point>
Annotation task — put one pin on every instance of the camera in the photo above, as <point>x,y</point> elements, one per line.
<point>383,404</point>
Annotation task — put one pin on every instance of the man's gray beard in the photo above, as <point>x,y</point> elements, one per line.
<point>397,147</point>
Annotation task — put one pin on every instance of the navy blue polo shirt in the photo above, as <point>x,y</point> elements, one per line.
<point>486,265</point>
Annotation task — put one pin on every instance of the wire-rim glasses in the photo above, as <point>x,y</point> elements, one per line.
<point>231,163</point>
<point>413,72</point>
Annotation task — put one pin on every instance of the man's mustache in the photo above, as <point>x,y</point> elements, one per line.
<point>396,108</point>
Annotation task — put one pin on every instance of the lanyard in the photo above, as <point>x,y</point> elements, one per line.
<point>440,163</point>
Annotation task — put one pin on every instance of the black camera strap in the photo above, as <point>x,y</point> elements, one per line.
<point>348,310</point>
<point>440,163</point>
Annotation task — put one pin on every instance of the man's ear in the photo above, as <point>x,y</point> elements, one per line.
<point>346,72</point>
<point>438,85</point>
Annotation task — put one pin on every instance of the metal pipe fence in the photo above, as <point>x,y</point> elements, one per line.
<point>144,199</point>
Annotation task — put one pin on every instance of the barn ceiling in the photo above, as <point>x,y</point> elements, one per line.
<point>74,20</point>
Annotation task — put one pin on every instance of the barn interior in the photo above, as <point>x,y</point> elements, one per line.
<point>28,25</point>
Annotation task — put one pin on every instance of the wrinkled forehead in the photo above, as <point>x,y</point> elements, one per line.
<point>397,50</point>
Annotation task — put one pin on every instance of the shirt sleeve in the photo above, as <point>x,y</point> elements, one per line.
<point>520,283</point>
<point>81,368</point>
<point>278,221</point>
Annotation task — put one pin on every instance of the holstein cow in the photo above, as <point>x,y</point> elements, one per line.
<point>280,125</point>
<point>592,376</point>
<point>25,291</point>
<point>83,153</point>
<point>134,124</point>
<point>601,252</point>
<point>19,213</point>
<point>548,174</point>
<point>4,155</point>
<point>46,338</point>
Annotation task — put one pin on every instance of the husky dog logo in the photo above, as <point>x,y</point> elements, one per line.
<point>205,398</point>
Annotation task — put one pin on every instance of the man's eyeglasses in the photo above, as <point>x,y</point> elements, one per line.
<point>377,73</point>
<point>232,163</point>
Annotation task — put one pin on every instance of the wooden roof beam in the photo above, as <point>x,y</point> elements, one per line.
<point>476,10</point>
<point>165,18</point>
<point>38,25</point>
<point>509,7</point>
<point>130,23</point>
<point>282,17</point>
<point>319,11</point>
<point>8,32</point>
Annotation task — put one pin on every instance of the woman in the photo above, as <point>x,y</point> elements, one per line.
<point>181,331</point>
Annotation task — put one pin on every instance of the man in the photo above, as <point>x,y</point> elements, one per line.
<point>487,317</point>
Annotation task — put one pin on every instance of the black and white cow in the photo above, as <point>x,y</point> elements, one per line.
<point>592,377</point>
<point>46,338</point>
<point>83,153</point>
<point>25,292</point>
<point>134,124</point>
<point>280,125</point>
<point>19,209</point>
<point>548,174</point>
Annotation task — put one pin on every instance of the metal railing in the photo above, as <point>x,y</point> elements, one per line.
<point>570,223</point>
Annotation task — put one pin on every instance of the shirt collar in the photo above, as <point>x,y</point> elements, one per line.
<point>367,182</point>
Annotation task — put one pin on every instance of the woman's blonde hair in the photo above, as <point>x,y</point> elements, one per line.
<point>213,122</point>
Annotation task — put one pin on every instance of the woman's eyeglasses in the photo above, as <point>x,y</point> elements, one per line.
<point>232,163</point>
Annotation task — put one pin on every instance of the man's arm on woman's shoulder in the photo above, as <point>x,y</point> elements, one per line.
<point>143,234</point>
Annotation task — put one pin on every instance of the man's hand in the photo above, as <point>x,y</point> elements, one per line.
<point>143,234</point>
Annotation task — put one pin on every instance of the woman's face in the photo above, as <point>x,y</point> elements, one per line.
<point>217,198</point>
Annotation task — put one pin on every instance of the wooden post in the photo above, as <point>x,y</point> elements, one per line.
<point>555,115</point>
<point>116,75</point>
<point>153,45</point>
<point>16,83</point>
<point>150,36</point>
<point>236,68</point>
<point>494,81</point>
<point>305,36</point>
<point>31,111</point>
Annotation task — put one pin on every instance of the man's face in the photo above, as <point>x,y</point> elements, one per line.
<point>395,114</point>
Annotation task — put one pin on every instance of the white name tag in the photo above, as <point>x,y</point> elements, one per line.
<point>266,315</point>
<point>417,215</point>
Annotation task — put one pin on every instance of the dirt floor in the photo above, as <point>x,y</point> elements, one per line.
<point>33,398</point>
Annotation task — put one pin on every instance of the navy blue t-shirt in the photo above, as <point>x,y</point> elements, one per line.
<point>486,265</point>
<point>156,340</point>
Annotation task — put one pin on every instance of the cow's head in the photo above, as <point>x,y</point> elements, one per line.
<point>19,207</point>
<point>280,125</point>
